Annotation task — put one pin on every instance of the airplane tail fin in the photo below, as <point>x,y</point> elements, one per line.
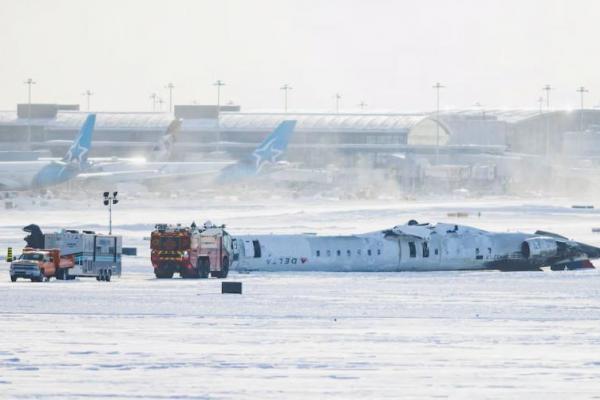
<point>268,152</point>
<point>162,149</point>
<point>78,152</point>
<point>274,146</point>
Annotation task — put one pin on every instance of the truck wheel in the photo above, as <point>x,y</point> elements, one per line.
<point>108,275</point>
<point>62,274</point>
<point>160,274</point>
<point>203,267</point>
<point>13,278</point>
<point>224,269</point>
<point>190,273</point>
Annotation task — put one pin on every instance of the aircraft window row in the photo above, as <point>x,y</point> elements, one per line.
<point>479,256</point>
<point>339,252</point>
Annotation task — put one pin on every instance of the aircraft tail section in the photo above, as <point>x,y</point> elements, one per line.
<point>78,152</point>
<point>163,148</point>
<point>274,146</point>
<point>268,152</point>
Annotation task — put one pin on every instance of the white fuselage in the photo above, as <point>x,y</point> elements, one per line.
<point>146,172</point>
<point>19,175</point>
<point>446,248</point>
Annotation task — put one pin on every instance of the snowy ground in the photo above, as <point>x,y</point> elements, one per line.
<point>403,335</point>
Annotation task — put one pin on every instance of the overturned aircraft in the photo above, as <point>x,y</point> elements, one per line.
<point>413,247</point>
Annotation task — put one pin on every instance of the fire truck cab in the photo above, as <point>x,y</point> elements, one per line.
<point>192,252</point>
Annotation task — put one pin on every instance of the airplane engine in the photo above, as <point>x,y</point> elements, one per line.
<point>539,247</point>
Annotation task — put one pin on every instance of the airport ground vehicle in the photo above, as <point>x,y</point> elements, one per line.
<point>68,254</point>
<point>192,252</point>
<point>40,264</point>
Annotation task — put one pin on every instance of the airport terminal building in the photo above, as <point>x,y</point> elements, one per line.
<point>201,129</point>
<point>411,145</point>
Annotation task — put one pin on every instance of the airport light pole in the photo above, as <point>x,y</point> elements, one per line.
<point>362,105</point>
<point>581,90</point>
<point>154,97</point>
<point>547,89</point>
<point>286,88</point>
<point>29,82</point>
<point>218,84</point>
<point>337,102</point>
<point>160,102</point>
<point>437,88</point>
<point>170,86</point>
<point>109,200</point>
<point>540,101</point>
<point>88,93</point>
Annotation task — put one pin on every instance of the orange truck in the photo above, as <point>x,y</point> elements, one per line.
<point>41,264</point>
<point>192,252</point>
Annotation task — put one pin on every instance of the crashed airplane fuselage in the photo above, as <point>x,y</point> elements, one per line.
<point>413,247</point>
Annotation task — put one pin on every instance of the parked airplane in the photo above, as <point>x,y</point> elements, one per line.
<point>39,174</point>
<point>268,152</point>
<point>414,247</point>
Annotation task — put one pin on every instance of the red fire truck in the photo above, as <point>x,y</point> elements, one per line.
<point>192,252</point>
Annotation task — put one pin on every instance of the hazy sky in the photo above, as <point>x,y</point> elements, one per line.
<point>388,53</point>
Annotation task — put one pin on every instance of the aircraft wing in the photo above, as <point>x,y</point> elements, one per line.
<point>117,176</point>
<point>142,176</point>
<point>9,184</point>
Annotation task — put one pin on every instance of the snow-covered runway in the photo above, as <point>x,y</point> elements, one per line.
<point>481,334</point>
<point>292,335</point>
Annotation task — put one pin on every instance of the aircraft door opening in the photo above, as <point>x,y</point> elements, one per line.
<point>248,249</point>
